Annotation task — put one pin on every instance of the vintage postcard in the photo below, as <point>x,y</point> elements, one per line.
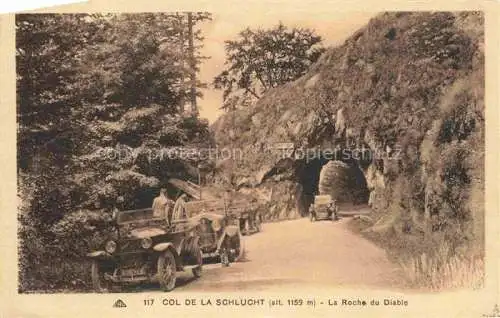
<point>265,159</point>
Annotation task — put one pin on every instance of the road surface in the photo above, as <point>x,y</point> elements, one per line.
<point>300,253</point>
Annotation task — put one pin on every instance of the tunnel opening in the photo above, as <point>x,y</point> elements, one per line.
<point>342,177</point>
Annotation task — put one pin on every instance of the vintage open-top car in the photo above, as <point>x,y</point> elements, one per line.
<point>144,248</point>
<point>244,212</point>
<point>219,233</point>
<point>250,221</point>
<point>218,237</point>
<point>323,208</point>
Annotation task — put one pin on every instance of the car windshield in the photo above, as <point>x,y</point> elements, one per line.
<point>136,216</point>
<point>322,200</point>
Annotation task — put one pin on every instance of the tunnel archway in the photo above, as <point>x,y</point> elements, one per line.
<point>341,177</point>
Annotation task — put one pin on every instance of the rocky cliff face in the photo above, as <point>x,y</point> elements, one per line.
<point>407,89</point>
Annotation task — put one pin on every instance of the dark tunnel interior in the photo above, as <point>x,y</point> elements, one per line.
<point>308,176</point>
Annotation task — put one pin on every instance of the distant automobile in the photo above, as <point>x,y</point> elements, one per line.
<point>323,208</point>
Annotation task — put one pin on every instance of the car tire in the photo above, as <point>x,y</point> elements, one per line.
<point>224,258</point>
<point>224,253</point>
<point>258,223</point>
<point>99,284</point>
<point>235,248</point>
<point>198,254</point>
<point>247,227</point>
<point>167,271</point>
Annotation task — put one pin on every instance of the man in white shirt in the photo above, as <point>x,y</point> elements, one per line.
<point>161,204</point>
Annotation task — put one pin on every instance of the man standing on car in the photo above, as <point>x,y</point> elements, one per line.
<point>161,204</point>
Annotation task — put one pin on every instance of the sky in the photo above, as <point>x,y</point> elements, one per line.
<point>334,27</point>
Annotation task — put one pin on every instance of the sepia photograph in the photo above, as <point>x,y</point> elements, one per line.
<point>371,150</point>
<point>178,152</point>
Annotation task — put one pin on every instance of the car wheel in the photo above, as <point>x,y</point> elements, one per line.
<point>167,270</point>
<point>258,223</point>
<point>99,284</point>
<point>199,260</point>
<point>224,254</point>
<point>247,226</point>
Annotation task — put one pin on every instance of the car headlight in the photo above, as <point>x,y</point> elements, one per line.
<point>146,242</point>
<point>110,247</point>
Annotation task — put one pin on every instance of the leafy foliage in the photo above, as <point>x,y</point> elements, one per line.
<point>262,59</point>
<point>98,94</point>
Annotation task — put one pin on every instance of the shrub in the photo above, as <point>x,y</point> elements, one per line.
<point>54,258</point>
<point>442,270</point>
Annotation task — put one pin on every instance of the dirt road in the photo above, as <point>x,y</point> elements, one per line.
<point>299,252</point>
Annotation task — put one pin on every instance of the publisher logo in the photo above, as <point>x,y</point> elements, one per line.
<point>119,304</point>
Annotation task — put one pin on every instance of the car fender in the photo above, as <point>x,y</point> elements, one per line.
<point>181,246</point>
<point>161,247</point>
<point>98,254</point>
<point>195,241</point>
<point>189,245</point>
<point>164,246</point>
<point>221,240</point>
<point>229,232</point>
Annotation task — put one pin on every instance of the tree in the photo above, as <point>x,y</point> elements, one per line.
<point>262,59</point>
<point>91,81</point>
<point>88,83</point>
<point>134,90</point>
<point>49,48</point>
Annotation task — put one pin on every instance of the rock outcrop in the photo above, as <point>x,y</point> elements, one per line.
<point>409,88</point>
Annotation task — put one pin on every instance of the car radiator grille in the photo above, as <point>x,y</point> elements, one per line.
<point>131,246</point>
<point>207,239</point>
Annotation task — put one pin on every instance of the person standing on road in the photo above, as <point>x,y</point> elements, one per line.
<point>333,209</point>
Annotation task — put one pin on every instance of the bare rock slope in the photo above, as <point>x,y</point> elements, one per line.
<point>409,87</point>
